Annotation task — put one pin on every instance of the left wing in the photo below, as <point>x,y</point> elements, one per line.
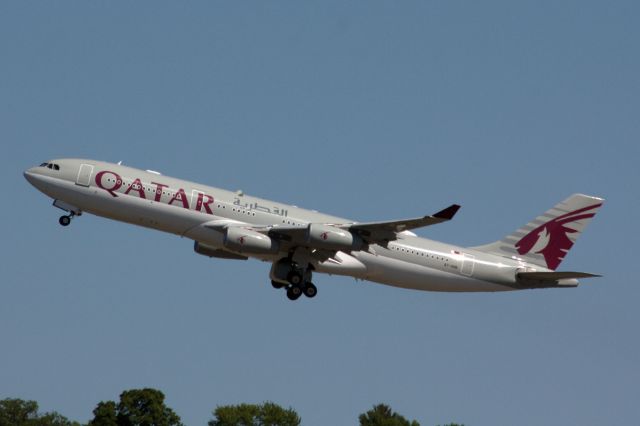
<point>374,232</point>
<point>332,237</point>
<point>369,232</point>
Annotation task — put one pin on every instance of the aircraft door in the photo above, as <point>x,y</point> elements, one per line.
<point>84,175</point>
<point>468,262</point>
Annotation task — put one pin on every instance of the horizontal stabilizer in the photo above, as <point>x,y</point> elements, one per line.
<point>554,276</point>
<point>550,279</point>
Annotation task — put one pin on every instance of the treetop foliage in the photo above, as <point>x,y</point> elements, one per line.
<point>137,407</point>
<point>266,414</point>
<point>146,407</point>
<point>383,415</point>
<point>17,412</point>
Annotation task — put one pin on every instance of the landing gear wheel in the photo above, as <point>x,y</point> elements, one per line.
<point>294,277</point>
<point>277,285</point>
<point>294,292</point>
<point>310,290</point>
<point>64,220</point>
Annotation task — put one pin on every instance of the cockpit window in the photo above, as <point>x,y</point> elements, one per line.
<point>50,166</point>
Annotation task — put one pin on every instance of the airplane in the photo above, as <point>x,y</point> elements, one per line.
<point>299,242</point>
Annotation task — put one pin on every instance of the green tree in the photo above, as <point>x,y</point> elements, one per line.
<point>266,414</point>
<point>137,407</point>
<point>104,414</point>
<point>18,412</point>
<point>383,415</point>
<point>53,419</point>
<point>145,407</point>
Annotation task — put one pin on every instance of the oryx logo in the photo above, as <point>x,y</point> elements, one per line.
<point>324,236</point>
<point>551,239</point>
<point>241,240</point>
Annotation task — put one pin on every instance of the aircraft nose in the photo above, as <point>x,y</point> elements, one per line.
<point>30,175</point>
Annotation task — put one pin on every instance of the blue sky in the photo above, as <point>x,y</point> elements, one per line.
<point>366,110</point>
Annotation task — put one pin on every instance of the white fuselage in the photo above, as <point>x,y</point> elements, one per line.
<point>185,208</point>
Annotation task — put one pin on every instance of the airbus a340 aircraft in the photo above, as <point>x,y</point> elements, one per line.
<point>299,242</point>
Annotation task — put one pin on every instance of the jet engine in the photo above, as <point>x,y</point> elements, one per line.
<point>332,238</point>
<point>246,241</point>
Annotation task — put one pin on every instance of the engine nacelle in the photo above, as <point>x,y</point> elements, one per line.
<point>332,238</point>
<point>246,241</point>
<point>212,251</point>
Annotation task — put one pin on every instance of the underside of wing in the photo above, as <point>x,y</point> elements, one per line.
<point>285,233</point>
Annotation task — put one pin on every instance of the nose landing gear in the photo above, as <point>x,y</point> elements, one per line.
<point>73,211</point>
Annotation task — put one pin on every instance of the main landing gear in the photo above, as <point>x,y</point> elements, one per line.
<point>295,291</point>
<point>286,274</point>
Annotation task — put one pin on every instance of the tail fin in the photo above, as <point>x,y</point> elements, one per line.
<point>546,240</point>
